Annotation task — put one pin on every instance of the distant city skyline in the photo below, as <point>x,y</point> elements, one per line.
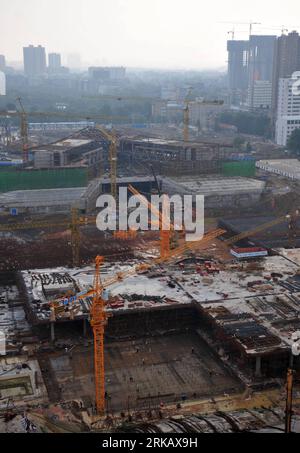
<point>162,34</point>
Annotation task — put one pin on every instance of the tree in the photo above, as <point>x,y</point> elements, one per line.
<point>248,122</point>
<point>293,143</point>
<point>238,142</point>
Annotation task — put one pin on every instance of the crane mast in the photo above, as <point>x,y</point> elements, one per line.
<point>113,157</point>
<point>113,167</point>
<point>24,131</point>
<point>186,121</point>
<point>75,237</point>
<point>186,115</point>
<point>73,225</point>
<point>162,219</point>
<point>98,323</point>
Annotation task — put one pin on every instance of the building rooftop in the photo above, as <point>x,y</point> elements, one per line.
<point>176,143</point>
<point>44,197</point>
<point>214,185</point>
<point>284,167</point>
<point>73,143</point>
<point>129,180</point>
<point>64,145</point>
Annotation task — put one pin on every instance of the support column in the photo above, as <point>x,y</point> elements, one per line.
<point>258,367</point>
<point>52,331</point>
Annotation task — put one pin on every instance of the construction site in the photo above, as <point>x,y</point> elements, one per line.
<point>143,331</point>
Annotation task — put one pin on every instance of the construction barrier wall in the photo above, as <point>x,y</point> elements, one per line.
<point>13,179</point>
<point>239,168</point>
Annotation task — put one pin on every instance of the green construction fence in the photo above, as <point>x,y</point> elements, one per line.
<point>11,180</point>
<point>239,168</point>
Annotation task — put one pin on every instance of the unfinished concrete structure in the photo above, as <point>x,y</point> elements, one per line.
<point>144,304</point>
<point>202,331</point>
<point>178,334</point>
<point>66,152</point>
<point>51,201</point>
<point>21,380</point>
<point>218,192</point>
<point>174,157</point>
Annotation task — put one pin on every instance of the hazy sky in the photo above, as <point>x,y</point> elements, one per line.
<point>143,33</point>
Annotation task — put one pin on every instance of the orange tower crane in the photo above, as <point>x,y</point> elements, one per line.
<point>99,316</point>
<point>98,322</point>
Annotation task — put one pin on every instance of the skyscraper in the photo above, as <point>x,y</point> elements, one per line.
<point>250,70</point>
<point>260,70</point>
<point>34,61</point>
<point>54,61</point>
<point>288,111</point>
<point>261,57</point>
<point>2,63</point>
<point>2,84</point>
<point>237,70</point>
<point>286,62</point>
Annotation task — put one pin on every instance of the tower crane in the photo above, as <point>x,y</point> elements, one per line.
<point>158,187</point>
<point>291,218</point>
<point>24,130</point>
<point>74,225</point>
<point>232,33</point>
<point>250,24</point>
<point>186,109</point>
<point>165,226</point>
<point>186,116</point>
<point>111,137</point>
<point>75,237</point>
<point>98,322</point>
<point>120,276</point>
<point>99,315</point>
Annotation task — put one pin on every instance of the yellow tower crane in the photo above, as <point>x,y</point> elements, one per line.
<point>24,130</point>
<point>113,150</point>
<point>186,113</point>
<point>186,116</point>
<point>74,226</point>
<point>111,137</point>
<point>75,237</point>
<point>290,218</point>
<point>186,110</point>
<point>162,219</point>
